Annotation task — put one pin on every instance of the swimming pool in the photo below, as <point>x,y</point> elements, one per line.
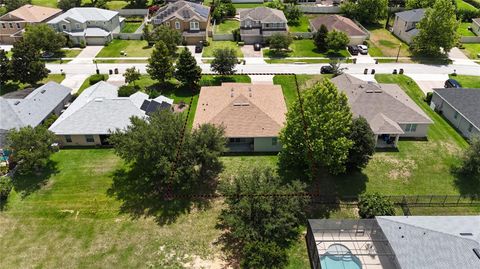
<point>339,256</point>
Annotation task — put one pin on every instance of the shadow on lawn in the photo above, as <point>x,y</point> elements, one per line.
<point>467,185</point>
<point>26,184</point>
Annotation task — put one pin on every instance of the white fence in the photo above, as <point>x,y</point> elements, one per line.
<point>318,9</point>
<point>470,39</point>
<point>222,37</point>
<point>133,12</point>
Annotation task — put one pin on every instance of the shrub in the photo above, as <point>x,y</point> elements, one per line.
<point>466,15</point>
<point>371,205</point>
<point>94,79</point>
<point>5,187</point>
<point>82,44</point>
<point>126,91</point>
<point>206,43</point>
<point>428,97</point>
<point>240,43</point>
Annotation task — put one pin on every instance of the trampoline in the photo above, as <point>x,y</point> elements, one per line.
<point>339,256</point>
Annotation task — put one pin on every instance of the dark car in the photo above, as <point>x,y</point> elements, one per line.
<point>353,50</point>
<point>451,83</point>
<point>327,69</point>
<point>257,47</point>
<point>199,47</point>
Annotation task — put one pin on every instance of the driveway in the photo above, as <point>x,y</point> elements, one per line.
<point>117,80</point>
<point>428,82</point>
<point>457,56</point>
<point>364,59</point>
<point>87,55</point>
<point>74,81</point>
<point>248,51</point>
<point>261,79</point>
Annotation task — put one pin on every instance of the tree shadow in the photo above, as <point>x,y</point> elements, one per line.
<point>9,87</point>
<point>26,184</point>
<point>467,185</point>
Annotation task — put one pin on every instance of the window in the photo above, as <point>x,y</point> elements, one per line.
<point>455,115</point>
<point>177,25</point>
<point>18,25</point>
<point>194,25</point>
<point>167,23</point>
<point>64,27</point>
<point>89,138</point>
<point>274,141</point>
<point>10,25</point>
<point>68,138</point>
<point>470,128</point>
<point>4,26</point>
<point>410,128</point>
<point>77,26</point>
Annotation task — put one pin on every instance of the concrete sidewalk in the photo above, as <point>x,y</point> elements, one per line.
<point>428,82</point>
<point>87,55</point>
<point>74,81</point>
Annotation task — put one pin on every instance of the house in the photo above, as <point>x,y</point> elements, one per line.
<point>31,107</point>
<point>189,18</point>
<point>257,24</point>
<point>98,111</point>
<point>252,114</point>
<point>461,107</point>
<point>391,242</point>
<point>355,33</point>
<point>12,24</point>
<point>387,108</point>
<point>404,26</point>
<point>476,26</point>
<point>88,25</point>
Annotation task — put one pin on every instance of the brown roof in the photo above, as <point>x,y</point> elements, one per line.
<point>245,110</point>
<point>339,23</point>
<point>476,20</point>
<point>31,13</point>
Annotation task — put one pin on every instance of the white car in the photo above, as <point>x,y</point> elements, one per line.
<point>362,49</point>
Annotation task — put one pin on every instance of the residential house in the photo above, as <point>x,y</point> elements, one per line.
<point>257,24</point>
<point>476,26</point>
<point>12,24</point>
<point>191,19</point>
<point>461,107</point>
<point>355,33</point>
<point>404,26</point>
<point>88,25</point>
<point>395,242</point>
<point>387,108</point>
<point>31,107</point>
<point>252,114</point>
<point>98,111</point>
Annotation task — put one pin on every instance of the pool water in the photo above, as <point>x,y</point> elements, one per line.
<point>339,256</point>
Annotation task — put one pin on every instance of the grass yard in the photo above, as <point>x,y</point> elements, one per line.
<point>87,84</point>
<point>226,27</point>
<point>306,48</point>
<point>247,5</point>
<point>468,81</point>
<point>133,48</point>
<point>303,25</point>
<point>463,29</point>
<point>116,5</point>
<point>130,27</point>
<point>289,87</point>
<point>471,50</point>
<point>64,53</point>
<point>214,45</point>
<point>382,43</point>
<point>464,5</point>
<point>112,5</point>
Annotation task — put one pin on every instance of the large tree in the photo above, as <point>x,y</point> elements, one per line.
<point>278,42</point>
<point>170,37</point>
<point>14,4</point>
<point>4,67</point>
<point>413,4</point>
<point>44,38</point>
<point>319,38</point>
<point>316,133</point>
<point>437,30</point>
<point>293,14</point>
<point>160,63</point>
<point>131,75</point>
<point>366,11</point>
<point>363,144</point>
<point>26,65</point>
<point>31,147</point>
<point>256,223</point>
<point>68,4</point>
<point>374,204</point>
<point>188,72</point>
<point>224,61</point>
<point>336,40</point>
<point>470,164</point>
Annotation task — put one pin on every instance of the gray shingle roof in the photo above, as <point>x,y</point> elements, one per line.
<point>84,14</point>
<point>385,106</point>
<point>414,15</point>
<point>263,14</point>
<point>465,101</point>
<point>183,10</point>
<point>433,242</point>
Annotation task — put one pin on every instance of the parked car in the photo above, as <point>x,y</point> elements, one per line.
<point>451,83</point>
<point>353,50</point>
<point>199,47</point>
<point>257,47</point>
<point>362,49</point>
<point>326,69</point>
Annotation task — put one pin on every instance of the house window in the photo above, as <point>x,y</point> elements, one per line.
<point>470,128</point>
<point>4,26</point>
<point>68,138</point>
<point>167,23</point>
<point>455,115</point>
<point>194,25</point>
<point>274,141</point>
<point>18,25</point>
<point>64,27</point>
<point>89,138</point>
<point>410,128</point>
<point>77,26</point>
<point>10,25</point>
<point>177,25</point>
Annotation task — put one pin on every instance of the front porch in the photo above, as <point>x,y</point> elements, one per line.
<point>386,140</point>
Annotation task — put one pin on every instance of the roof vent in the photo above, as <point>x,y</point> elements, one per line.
<point>98,99</point>
<point>241,104</point>
<point>16,103</point>
<point>43,91</point>
<point>466,234</point>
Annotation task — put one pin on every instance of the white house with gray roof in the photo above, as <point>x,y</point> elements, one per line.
<point>30,108</point>
<point>98,111</point>
<point>387,108</point>
<point>257,24</point>
<point>461,107</point>
<point>92,26</point>
<point>404,26</point>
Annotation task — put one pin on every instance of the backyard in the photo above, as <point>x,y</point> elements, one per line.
<point>303,25</point>
<point>130,27</point>
<point>112,5</point>
<point>133,48</point>
<point>214,45</point>
<point>306,48</point>
<point>226,27</point>
<point>382,43</point>
<point>463,29</point>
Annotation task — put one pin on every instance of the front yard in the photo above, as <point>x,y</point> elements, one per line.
<point>303,25</point>
<point>471,50</point>
<point>133,48</point>
<point>226,27</point>
<point>214,45</point>
<point>467,81</point>
<point>463,29</point>
<point>306,48</point>
<point>382,43</point>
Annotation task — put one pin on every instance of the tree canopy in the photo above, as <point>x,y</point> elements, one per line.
<point>293,14</point>
<point>170,37</point>
<point>224,61</point>
<point>26,65</point>
<point>160,63</point>
<point>372,205</point>
<point>319,136</point>
<point>68,4</point>
<point>336,40</point>
<point>470,162</point>
<point>363,144</point>
<point>319,38</point>
<point>4,67</point>
<point>14,4</point>
<point>278,41</point>
<point>187,71</point>
<point>44,38</point>
<point>131,75</point>
<point>366,11</point>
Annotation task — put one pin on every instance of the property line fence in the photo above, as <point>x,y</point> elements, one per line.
<point>470,39</point>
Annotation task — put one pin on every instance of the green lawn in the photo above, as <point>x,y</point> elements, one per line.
<point>463,29</point>
<point>471,50</point>
<point>112,5</point>
<point>86,84</point>
<point>11,86</point>
<point>64,53</point>
<point>303,25</point>
<point>289,87</point>
<point>208,51</point>
<point>130,27</point>
<point>116,5</point>
<point>464,5</point>
<point>226,27</point>
<point>382,43</point>
<point>468,81</point>
<point>133,48</point>
<point>247,5</point>
<point>306,48</point>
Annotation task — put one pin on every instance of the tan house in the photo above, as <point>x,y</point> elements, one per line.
<point>389,111</point>
<point>252,114</point>
<point>189,18</point>
<point>355,33</point>
<point>257,24</point>
<point>404,26</point>
<point>13,23</point>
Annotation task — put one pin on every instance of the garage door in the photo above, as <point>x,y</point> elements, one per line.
<point>95,40</point>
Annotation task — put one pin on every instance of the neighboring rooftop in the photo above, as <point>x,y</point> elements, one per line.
<point>183,10</point>
<point>414,15</point>
<point>385,106</point>
<point>245,110</point>
<point>338,23</point>
<point>31,13</point>
<point>476,20</point>
<point>84,14</point>
<point>263,14</point>
<point>465,101</point>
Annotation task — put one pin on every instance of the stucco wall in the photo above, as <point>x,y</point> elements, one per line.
<point>78,140</point>
<point>400,29</point>
<point>421,131</point>
<point>264,144</point>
